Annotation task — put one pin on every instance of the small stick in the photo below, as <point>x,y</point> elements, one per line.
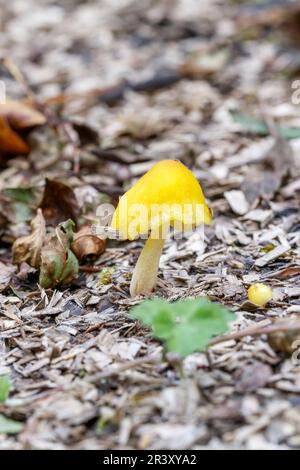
<point>258,330</point>
<point>90,269</point>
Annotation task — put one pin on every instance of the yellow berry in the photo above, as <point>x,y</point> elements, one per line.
<point>259,294</point>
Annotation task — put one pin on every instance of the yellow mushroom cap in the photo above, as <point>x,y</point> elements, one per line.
<point>168,194</point>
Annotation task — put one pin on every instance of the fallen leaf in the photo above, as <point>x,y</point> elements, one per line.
<point>286,339</point>
<point>28,249</point>
<point>87,246</point>
<point>9,426</point>
<point>253,125</point>
<point>286,273</point>
<point>10,142</point>
<point>15,115</point>
<point>19,204</point>
<point>59,203</point>
<point>20,115</point>
<point>58,262</point>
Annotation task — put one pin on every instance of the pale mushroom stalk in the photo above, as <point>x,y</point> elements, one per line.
<point>166,195</point>
<point>144,275</point>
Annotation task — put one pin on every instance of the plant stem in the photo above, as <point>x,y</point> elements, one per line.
<point>144,275</point>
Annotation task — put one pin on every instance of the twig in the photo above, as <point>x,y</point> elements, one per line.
<point>90,269</point>
<point>258,330</point>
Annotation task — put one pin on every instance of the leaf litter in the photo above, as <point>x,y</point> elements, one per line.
<point>79,128</point>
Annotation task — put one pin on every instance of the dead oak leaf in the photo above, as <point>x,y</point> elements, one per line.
<point>28,249</point>
<point>59,203</point>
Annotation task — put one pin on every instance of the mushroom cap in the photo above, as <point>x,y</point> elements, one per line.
<point>168,194</point>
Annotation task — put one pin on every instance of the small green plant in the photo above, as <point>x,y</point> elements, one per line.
<point>185,326</point>
<point>9,426</point>
<point>105,276</point>
<point>5,386</point>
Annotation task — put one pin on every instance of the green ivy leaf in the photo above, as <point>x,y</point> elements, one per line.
<point>185,326</point>
<point>8,426</point>
<point>5,385</point>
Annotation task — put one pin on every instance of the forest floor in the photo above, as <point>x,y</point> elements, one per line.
<point>123,84</point>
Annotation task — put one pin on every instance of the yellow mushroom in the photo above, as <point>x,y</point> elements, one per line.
<point>167,195</point>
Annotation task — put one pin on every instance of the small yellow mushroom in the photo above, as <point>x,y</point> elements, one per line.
<point>259,294</point>
<point>167,195</point>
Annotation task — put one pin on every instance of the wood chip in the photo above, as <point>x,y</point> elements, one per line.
<point>272,255</point>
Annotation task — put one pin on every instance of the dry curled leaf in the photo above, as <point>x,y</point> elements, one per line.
<point>87,246</point>
<point>28,249</point>
<point>10,141</point>
<point>20,115</point>
<point>284,339</point>
<point>15,115</point>
<point>58,263</point>
<point>6,272</point>
<point>59,203</point>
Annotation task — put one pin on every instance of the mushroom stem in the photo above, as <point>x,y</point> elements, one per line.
<point>144,275</point>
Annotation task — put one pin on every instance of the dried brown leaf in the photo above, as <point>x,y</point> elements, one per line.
<point>28,249</point>
<point>87,246</point>
<point>59,203</point>
<point>284,340</point>
<point>20,115</point>
<point>6,272</point>
<point>10,141</point>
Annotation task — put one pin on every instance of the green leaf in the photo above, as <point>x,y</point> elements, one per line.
<point>25,195</point>
<point>257,126</point>
<point>8,426</point>
<point>22,202</point>
<point>184,326</point>
<point>105,276</point>
<point>5,385</point>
